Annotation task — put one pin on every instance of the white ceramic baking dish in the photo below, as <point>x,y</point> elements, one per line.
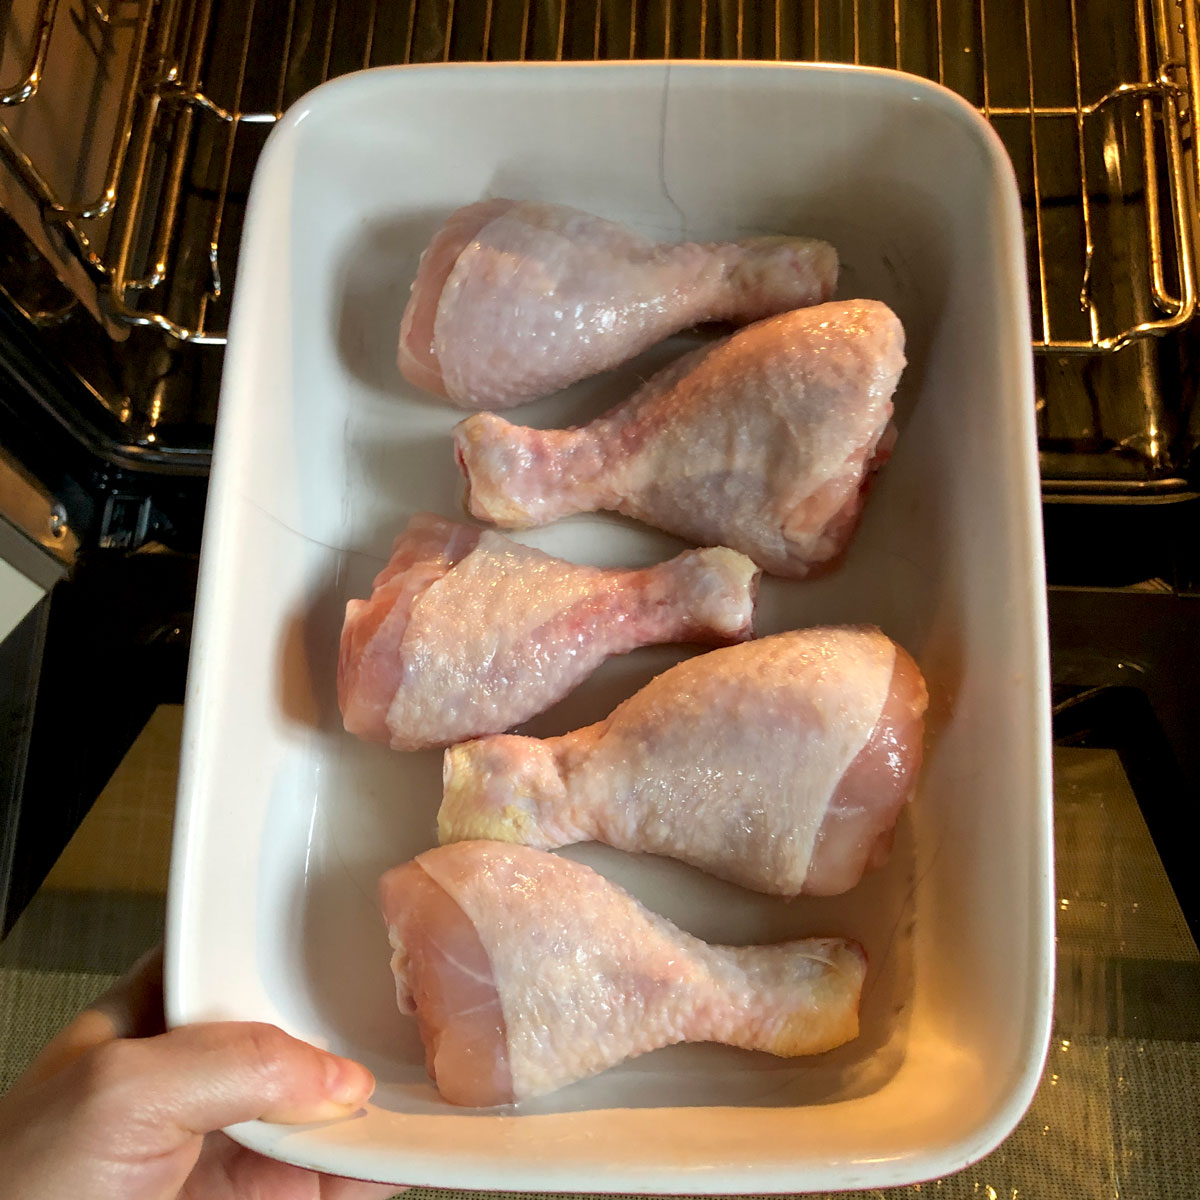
<point>323,452</point>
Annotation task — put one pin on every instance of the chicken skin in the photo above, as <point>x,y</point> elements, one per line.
<point>527,971</point>
<point>468,632</point>
<point>513,300</point>
<point>781,765</point>
<point>762,441</point>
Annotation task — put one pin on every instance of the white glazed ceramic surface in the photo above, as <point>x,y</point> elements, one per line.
<point>323,453</point>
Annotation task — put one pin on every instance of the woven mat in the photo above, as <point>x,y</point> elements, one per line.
<point>1118,1110</point>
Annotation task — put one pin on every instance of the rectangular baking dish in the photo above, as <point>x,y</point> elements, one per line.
<point>323,452</point>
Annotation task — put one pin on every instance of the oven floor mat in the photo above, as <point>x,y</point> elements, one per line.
<point>1119,1103</point>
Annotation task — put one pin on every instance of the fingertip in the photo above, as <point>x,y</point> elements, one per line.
<point>311,1113</point>
<point>347,1086</point>
<point>347,1082</point>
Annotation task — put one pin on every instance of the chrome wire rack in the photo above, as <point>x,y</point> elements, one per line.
<point>1094,101</point>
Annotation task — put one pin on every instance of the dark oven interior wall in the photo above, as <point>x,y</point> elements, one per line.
<point>83,672</point>
<point>1124,606</point>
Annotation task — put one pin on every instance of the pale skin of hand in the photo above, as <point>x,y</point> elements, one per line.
<point>115,1109</point>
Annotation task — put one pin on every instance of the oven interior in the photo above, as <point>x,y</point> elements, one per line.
<point>133,187</point>
<point>129,130</point>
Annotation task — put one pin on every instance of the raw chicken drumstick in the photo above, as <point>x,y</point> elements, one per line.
<point>527,971</point>
<point>513,301</point>
<point>467,632</point>
<point>762,441</point>
<point>781,765</point>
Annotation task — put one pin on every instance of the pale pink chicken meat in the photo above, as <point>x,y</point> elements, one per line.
<point>763,441</point>
<point>468,632</point>
<point>515,300</point>
<point>527,971</point>
<point>781,765</point>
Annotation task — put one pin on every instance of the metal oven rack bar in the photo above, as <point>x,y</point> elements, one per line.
<point>26,87</point>
<point>159,269</point>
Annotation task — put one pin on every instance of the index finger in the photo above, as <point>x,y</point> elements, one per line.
<point>132,1007</point>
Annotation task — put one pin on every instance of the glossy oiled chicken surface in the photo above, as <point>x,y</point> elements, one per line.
<point>468,632</point>
<point>762,441</point>
<point>781,764</point>
<point>527,971</point>
<point>515,300</point>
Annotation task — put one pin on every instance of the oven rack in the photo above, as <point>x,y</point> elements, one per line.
<point>1102,151</point>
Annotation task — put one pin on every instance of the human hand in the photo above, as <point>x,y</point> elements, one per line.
<point>115,1109</point>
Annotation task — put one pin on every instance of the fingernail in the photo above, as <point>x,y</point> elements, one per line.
<point>347,1082</point>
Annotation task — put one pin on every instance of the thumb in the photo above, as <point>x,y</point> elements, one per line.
<point>199,1078</point>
